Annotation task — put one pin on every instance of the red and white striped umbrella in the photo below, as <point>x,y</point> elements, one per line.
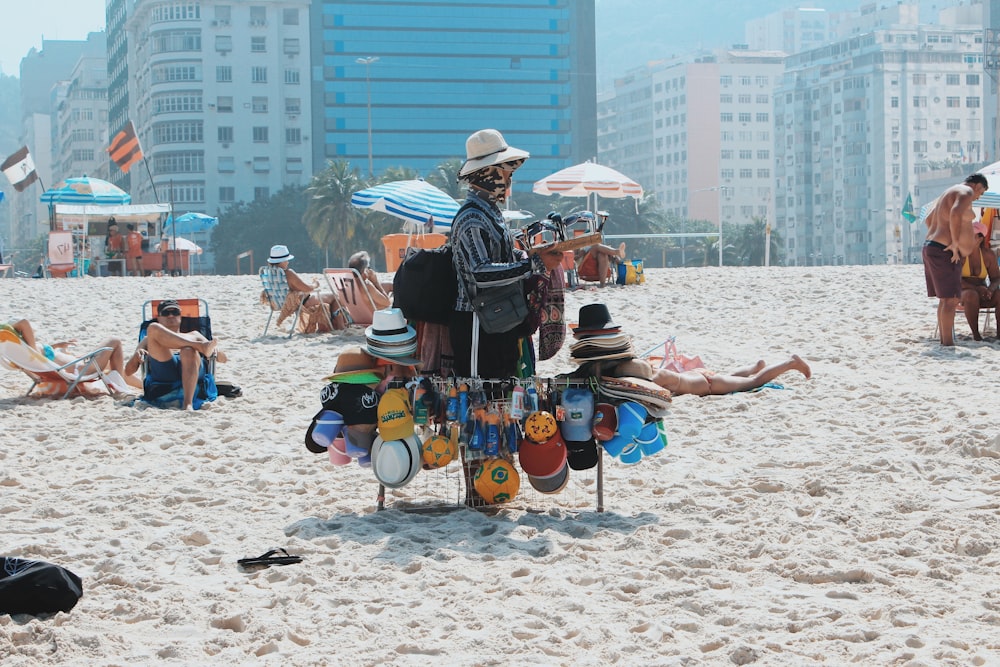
<point>588,178</point>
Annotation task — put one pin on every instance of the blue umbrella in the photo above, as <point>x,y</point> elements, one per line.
<point>85,190</point>
<point>190,223</point>
<point>412,201</point>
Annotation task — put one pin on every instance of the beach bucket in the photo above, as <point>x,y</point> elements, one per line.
<point>649,440</point>
<point>631,417</point>
<point>337,451</point>
<point>616,445</point>
<point>632,454</point>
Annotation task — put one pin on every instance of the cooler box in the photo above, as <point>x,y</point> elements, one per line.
<point>395,246</point>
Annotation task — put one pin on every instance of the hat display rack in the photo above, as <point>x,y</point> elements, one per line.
<point>500,395</point>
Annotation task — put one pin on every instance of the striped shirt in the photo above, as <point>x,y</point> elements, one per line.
<point>483,250</point>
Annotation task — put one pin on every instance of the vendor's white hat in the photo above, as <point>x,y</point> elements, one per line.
<point>488,147</point>
<point>279,254</point>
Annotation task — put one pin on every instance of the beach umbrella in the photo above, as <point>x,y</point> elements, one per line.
<point>190,223</point>
<point>85,190</point>
<point>588,178</point>
<point>990,199</point>
<point>185,244</point>
<point>414,202</point>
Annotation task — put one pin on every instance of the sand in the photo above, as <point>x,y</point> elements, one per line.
<point>850,518</point>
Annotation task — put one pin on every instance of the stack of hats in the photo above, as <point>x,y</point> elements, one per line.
<point>598,337</point>
<point>542,454</point>
<point>345,427</point>
<point>391,338</point>
<point>577,428</point>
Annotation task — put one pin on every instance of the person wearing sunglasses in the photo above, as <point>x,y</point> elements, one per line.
<point>175,357</point>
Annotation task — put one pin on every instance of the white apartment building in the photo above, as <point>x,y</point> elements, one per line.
<point>80,132</point>
<point>793,30</point>
<point>698,135</point>
<point>219,94</point>
<point>856,121</point>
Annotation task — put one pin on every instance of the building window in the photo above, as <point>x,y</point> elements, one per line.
<point>293,135</point>
<point>971,102</point>
<point>258,16</point>
<point>726,117</point>
<point>727,174</point>
<point>918,124</point>
<point>746,154</point>
<point>178,132</point>
<point>954,146</point>
<point>258,45</point>
<point>177,11</point>
<point>290,16</point>
<point>725,99</point>
<point>763,173</point>
<point>182,162</point>
<point>170,73</point>
<point>763,99</point>
<point>177,103</point>
<point>223,14</point>
<point>746,173</point>
<point>919,101</point>
<point>261,164</point>
<point>953,102</point>
<point>727,154</point>
<point>763,118</point>
<point>762,81</point>
<point>893,102</point>
<point>223,43</point>
<point>292,76</point>
<point>972,79</point>
<point>176,41</point>
<point>920,79</point>
<point>744,117</point>
<point>224,104</point>
<point>225,135</point>
<point>227,164</point>
<point>224,73</point>
<point>744,80</point>
<point>726,80</point>
<point>261,193</point>
<point>744,98</point>
<point>258,74</point>
<point>952,79</point>
<point>919,146</point>
<point>291,46</point>
<point>953,124</point>
<point>764,154</point>
<point>227,194</point>
<point>259,104</point>
<point>294,165</point>
<point>293,105</point>
<point>260,134</point>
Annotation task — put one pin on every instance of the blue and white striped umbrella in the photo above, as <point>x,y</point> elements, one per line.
<point>85,190</point>
<point>990,199</point>
<point>412,201</point>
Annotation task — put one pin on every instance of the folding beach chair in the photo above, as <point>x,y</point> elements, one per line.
<point>275,284</point>
<point>59,262</point>
<point>194,317</point>
<point>352,293</point>
<point>18,355</point>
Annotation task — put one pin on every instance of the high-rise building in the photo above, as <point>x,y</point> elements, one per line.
<point>857,121</point>
<point>697,134</point>
<point>80,130</point>
<point>417,78</point>
<point>219,95</point>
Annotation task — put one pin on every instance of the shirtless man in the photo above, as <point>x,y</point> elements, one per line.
<point>950,239</point>
<point>172,353</point>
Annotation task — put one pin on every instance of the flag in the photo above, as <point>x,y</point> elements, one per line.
<point>125,149</point>
<point>908,214</point>
<point>19,169</point>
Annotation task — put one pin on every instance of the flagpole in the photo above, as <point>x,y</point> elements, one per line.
<point>150,174</point>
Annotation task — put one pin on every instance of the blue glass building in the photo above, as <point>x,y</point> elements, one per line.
<point>438,70</point>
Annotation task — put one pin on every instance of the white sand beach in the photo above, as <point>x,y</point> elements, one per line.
<point>853,518</point>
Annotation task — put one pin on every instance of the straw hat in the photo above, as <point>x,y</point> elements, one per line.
<point>486,148</point>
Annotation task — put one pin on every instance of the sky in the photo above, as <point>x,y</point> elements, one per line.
<point>25,22</point>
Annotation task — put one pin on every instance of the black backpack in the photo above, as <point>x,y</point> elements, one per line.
<point>425,285</point>
<point>36,587</point>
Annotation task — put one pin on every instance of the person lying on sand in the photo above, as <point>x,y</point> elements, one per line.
<point>703,382</point>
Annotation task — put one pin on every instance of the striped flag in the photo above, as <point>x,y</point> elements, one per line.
<point>125,149</point>
<point>19,169</point>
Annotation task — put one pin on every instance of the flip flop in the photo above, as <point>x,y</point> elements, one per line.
<point>269,558</point>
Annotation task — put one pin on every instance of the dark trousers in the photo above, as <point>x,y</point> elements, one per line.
<point>498,353</point>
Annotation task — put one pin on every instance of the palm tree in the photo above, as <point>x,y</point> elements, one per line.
<point>398,174</point>
<point>445,176</point>
<point>750,241</point>
<point>330,218</point>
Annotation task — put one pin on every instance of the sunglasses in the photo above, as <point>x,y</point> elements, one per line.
<point>170,312</point>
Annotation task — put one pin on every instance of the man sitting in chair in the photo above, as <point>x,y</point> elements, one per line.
<point>175,358</point>
<point>976,293</point>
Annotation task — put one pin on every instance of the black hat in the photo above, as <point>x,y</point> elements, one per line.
<point>167,303</point>
<point>595,317</point>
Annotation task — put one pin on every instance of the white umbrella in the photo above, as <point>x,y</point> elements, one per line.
<point>184,244</point>
<point>990,199</point>
<point>588,178</point>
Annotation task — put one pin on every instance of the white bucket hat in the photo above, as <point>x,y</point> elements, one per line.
<point>488,147</point>
<point>279,254</point>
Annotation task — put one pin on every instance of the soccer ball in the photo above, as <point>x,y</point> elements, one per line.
<point>438,452</point>
<point>540,426</point>
<point>497,481</point>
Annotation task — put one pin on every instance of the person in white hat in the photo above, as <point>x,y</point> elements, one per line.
<point>312,300</point>
<point>484,253</point>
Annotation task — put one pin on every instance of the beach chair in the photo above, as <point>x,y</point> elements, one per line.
<point>275,284</point>
<point>194,317</point>
<point>15,354</point>
<point>59,262</point>
<point>352,293</point>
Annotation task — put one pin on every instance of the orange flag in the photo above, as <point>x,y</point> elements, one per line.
<point>125,149</point>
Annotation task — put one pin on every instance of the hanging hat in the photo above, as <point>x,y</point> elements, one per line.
<point>486,148</point>
<point>553,483</point>
<point>395,417</point>
<point>595,317</point>
<point>279,254</point>
<point>355,366</point>
<point>326,425</point>
<point>357,403</point>
<point>396,462</point>
<point>389,337</point>
<point>542,460</point>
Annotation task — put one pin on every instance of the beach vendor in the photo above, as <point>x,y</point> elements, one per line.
<point>175,358</point>
<point>484,254</point>
<point>133,243</point>
<point>114,245</point>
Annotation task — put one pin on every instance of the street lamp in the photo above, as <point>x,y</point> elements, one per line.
<point>715,188</point>
<point>368,86</point>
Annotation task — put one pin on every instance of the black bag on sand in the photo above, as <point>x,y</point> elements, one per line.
<point>36,587</point>
<point>425,285</point>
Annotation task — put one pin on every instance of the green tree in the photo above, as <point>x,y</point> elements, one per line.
<point>750,241</point>
<point>331,220</point>
<point>258,225</point>
<point>445,177</point>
